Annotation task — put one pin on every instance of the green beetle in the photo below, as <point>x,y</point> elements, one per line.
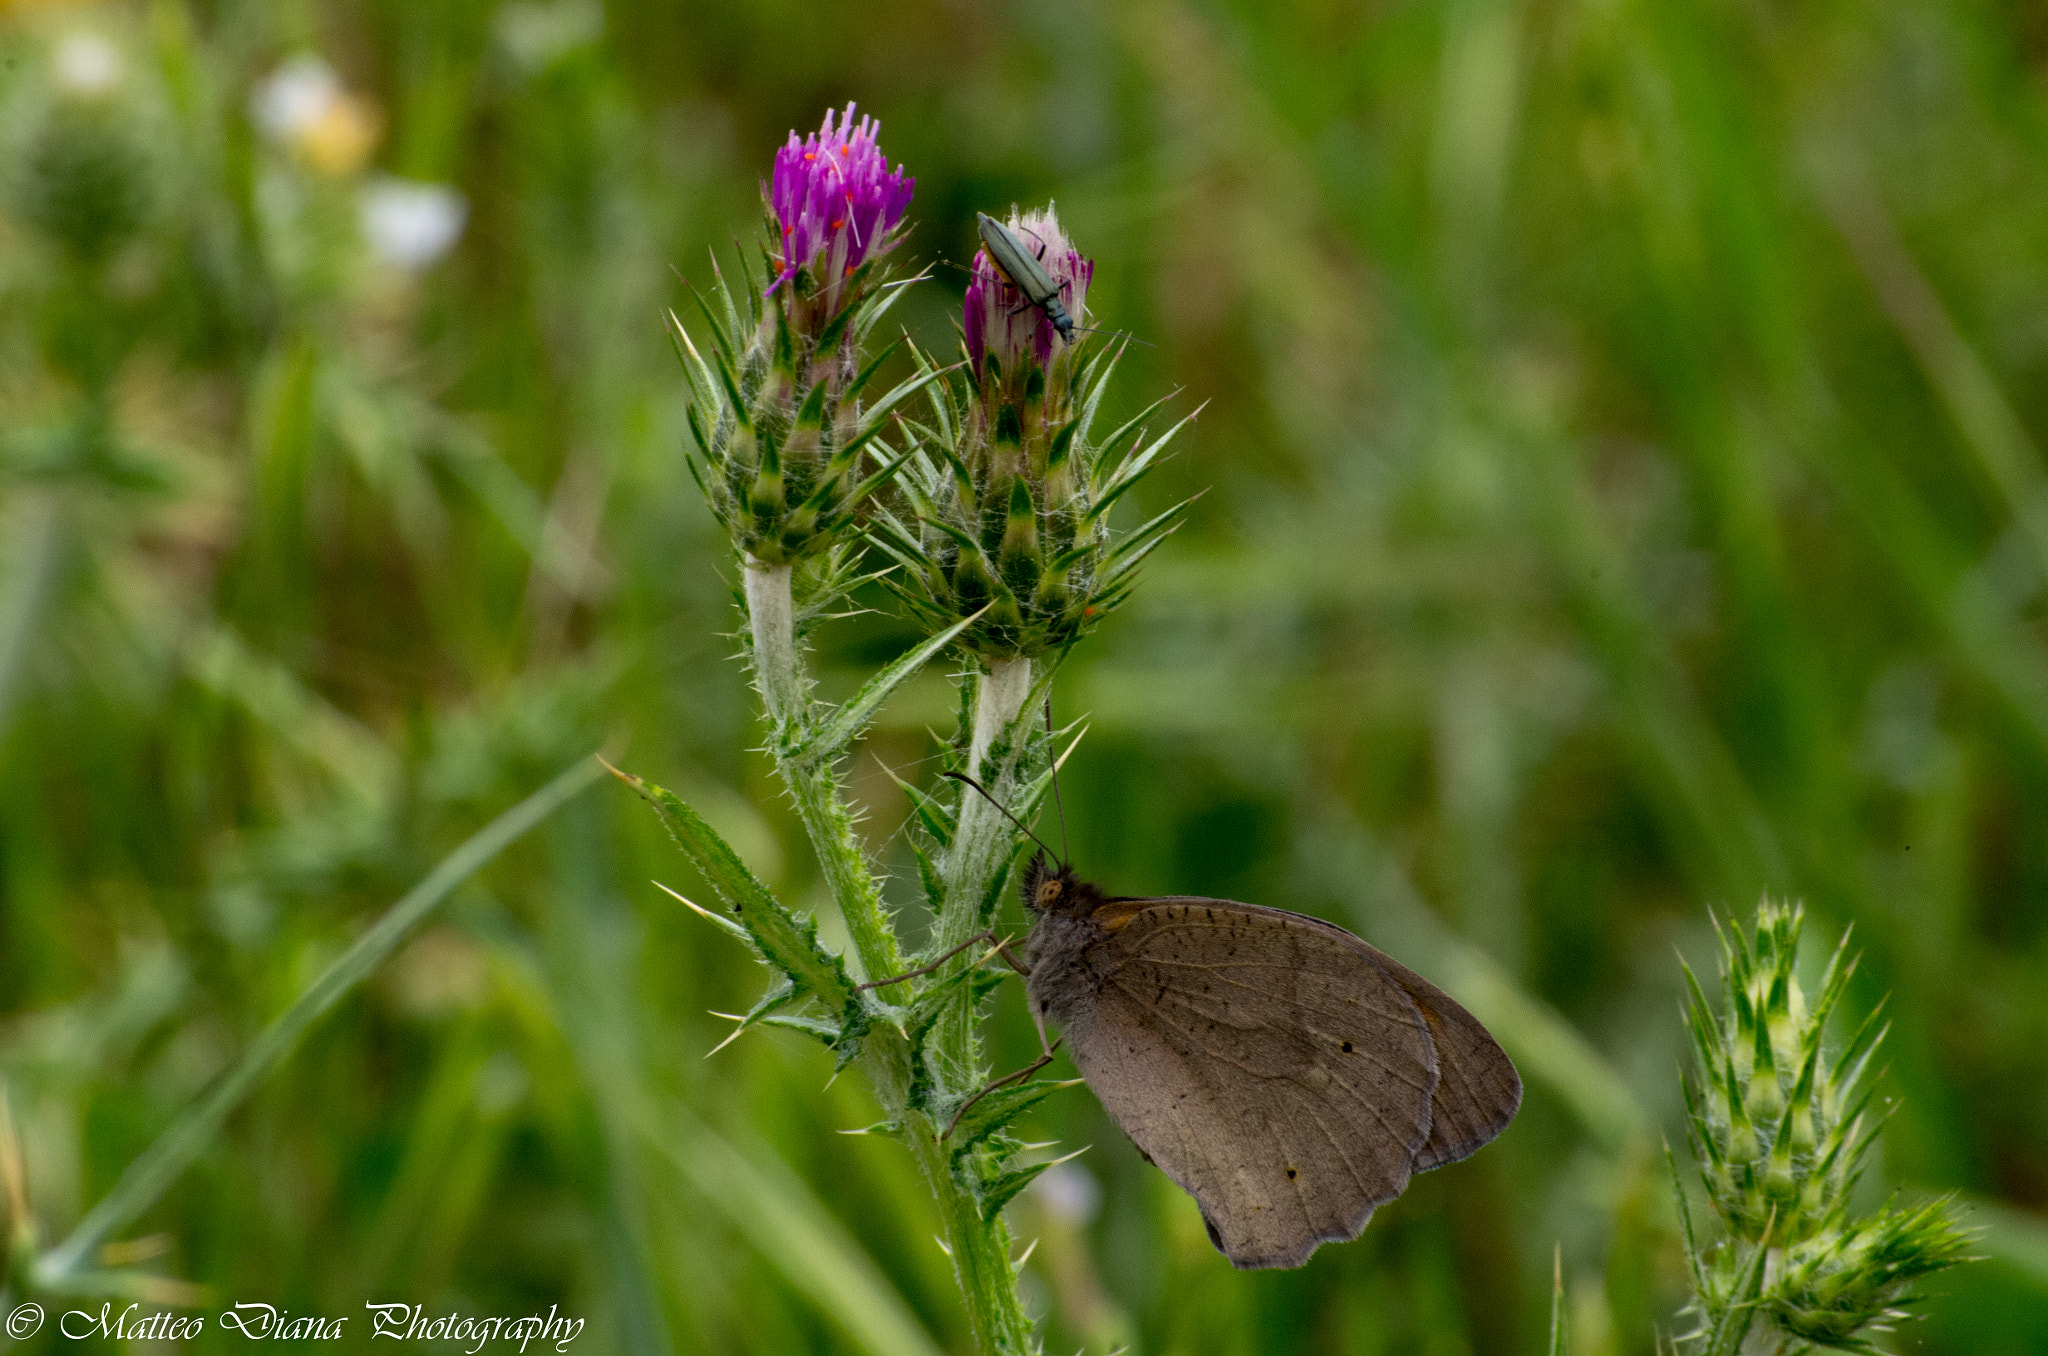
<point>1025,272</point>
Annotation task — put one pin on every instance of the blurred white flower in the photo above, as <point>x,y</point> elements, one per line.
<point>410,224</point>
<point>87,65</point>
<point>303,106</point>
<point>537,35</point>
<point>296,97</point>
<point>1068,1192</point>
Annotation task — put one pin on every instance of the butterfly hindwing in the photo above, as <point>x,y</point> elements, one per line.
<point>1477,1089</point>
<point>1282,1076</point>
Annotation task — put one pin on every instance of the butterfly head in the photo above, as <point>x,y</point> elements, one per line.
<point>1050,888</point>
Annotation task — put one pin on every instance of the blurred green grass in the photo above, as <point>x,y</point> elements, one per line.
<point>1624,428</point>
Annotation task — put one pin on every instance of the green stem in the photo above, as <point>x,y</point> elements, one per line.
<point>35,545</point>
<point>980,1248</point>
<point>982,842</point>
<point>981,1252</point>
<point>813,785</point>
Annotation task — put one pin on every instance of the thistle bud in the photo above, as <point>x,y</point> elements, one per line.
<point>836,206</point>
<point>1010,514</point>
<point>1778,1131</point>
<point>777,417</point>
<point>1837,1287</point>
<point>85,175</point>
<point>1010,341</point>
<point>1770,1165</point>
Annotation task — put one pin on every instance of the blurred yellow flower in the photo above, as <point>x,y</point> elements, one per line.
<point>341,138</point>
<point>304,108</point>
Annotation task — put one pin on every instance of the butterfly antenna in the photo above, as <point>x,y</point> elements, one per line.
<point>1022,827</point>
<point>1057,804</point>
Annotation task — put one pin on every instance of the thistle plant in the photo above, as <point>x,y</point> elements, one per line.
<point>781,456</point>
<point>1004,532</point>
<point>79,166</point>
<point>1780,1129</point>
<point>1002,550</point>
<point>1011,492</point>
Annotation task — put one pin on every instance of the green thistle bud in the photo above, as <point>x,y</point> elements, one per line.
<point>83,171</point>
<point>1778,1131</point>
<point>1761,1062</point>
<point>1833,1289</point>
<point>1009,508</point>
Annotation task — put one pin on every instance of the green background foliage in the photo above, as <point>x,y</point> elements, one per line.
<point>1626,495</point>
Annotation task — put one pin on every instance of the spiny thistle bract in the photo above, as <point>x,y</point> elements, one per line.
<point>782,436</point>
<point>1779,1132</point>
<point>1008,499</point>
<point>1836,1286</point>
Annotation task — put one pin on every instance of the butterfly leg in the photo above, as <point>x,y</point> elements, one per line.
<point>978,938</point>
<point>1029,1069</point>
<point>1003,950</point>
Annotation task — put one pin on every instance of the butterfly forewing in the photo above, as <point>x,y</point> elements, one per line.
<point>1282,1078</point>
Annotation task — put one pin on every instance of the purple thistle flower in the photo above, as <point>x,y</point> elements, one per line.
<point>997,317</point>
<point>836,201</point>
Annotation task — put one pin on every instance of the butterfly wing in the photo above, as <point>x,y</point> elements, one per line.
<point>1477,1088</point>
<point>1278,1073</point>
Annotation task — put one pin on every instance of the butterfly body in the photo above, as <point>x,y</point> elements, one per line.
<point>1285,1074</point>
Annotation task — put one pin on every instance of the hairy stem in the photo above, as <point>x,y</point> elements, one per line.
<point>813,784</point>
<point>982,841</point>
<point>980,1248</point>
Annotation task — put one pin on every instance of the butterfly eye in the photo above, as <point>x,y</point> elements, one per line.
<point>1048,892</point>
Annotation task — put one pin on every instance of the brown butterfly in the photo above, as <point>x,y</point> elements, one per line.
<point>1282,1072</point>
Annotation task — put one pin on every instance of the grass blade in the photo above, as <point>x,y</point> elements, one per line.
<point>787,1224</point>
<point>153,1171</point>
<point>1560,1343</point>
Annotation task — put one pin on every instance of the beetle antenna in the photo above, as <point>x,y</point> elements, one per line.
<point>1124,335</point>
<point>1022,827</point>
<point>1057,804</point>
